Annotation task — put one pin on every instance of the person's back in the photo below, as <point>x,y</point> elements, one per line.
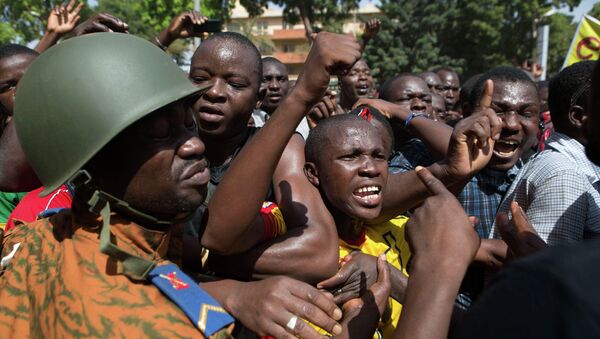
<point>553,294</point>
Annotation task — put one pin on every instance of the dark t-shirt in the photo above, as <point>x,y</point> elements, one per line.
<point>553,294</point>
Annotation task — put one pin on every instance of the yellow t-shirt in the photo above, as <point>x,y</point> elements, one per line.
<point>387,237</point>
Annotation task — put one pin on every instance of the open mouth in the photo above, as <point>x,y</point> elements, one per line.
<point>368,196</point>
<point>506,148</point>
<point>362,89</point>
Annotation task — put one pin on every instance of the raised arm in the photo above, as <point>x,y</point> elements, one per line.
<point>309,249</point>
<point>436,135</point>
<point>470,149</point>
<point>61,21</point>
<point>185,25</point>
<point>225,227</point>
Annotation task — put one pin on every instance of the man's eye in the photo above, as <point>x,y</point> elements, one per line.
<point>5,87</point>
<point>198,80</point>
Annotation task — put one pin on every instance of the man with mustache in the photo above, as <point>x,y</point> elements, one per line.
<point>109,266</point>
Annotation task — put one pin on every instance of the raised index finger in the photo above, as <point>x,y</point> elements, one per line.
<point>488,91</point>
<point>434,186</point>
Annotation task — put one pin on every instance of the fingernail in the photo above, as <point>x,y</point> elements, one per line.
<point>337,314</point>
<point>383,257</point>
<point>337,329</point>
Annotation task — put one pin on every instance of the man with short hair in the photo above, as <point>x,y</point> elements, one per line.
<point>222,114</point>
<point>438,108</point>
<point>516,102</point>
<point>358,83</point>
<point>275,84</point>
<point>412,93</point>
<point>108,266</point>
<point>558,188</point>
<point>14,61</point>
<point>433,81</point>
<point>450,87</point>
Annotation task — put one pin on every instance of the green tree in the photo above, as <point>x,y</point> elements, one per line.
<point>24,21</point>
<point>146,18</point>
<point>470,36</point>
<point>595,11</point>
<point>562,29</point>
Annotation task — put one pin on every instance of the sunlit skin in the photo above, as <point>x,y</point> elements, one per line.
<point>433,81</point>
<point>438,107</point>
<point>412,93</point>
<point>450,87</point>
<point>276,84</point>
<point>353,157</point>
<point>224,110</point>
<point>358,83</point>
<point>518,105</point>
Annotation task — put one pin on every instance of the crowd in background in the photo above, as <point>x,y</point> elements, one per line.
<point>141,201</point>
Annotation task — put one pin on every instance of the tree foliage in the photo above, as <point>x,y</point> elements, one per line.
<point>24,21</point>
<point>470,36</point>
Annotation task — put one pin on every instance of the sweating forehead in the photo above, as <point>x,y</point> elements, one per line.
<point>21,60</point>
<point>273,67</point>
<point>360,65</point>
<point>226,56</point>
<point>431,78</point>
<point>350,134</point>
<point>409,83</point>
<point>515,93</point>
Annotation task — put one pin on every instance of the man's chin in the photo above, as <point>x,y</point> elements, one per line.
<point>503,164</point>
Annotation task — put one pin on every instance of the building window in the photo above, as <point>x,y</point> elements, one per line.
<point>233,27</point>
<point>262,27</point>
<point>288,48</point>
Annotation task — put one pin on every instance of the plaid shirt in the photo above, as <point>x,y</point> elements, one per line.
<point>409,155</point>
<point>482,195</point>
<point>558,189</point>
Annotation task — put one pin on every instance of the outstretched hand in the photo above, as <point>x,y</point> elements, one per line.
<point>518,233</point>
<point>324,109</point>
<point>182,26</point>
<point>101,22</point>
<point>371,28</point>
<point>62,20</point>
<point>472,143</point>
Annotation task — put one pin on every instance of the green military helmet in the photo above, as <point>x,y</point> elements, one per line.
<point>80,94</point>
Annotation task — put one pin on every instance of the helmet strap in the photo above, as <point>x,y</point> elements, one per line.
<point>100,202</point>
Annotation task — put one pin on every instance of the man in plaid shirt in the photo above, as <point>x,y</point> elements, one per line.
<point>516,102</point>
<point>558,188</point>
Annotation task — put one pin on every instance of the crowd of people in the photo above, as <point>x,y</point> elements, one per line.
<point>140,201</point>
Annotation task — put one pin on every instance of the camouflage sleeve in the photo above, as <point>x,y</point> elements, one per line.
<point>14,294</point>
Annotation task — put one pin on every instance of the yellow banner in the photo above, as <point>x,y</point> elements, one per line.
<point>586,42</point>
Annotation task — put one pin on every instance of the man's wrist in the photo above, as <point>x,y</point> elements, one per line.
<point>164,39</point>
<point>51,35</point>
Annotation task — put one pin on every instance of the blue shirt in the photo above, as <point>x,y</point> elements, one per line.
<point>483,194</point>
